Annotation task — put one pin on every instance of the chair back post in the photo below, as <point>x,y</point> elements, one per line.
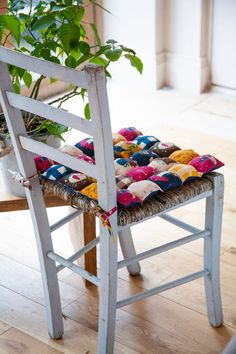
<point>103,147</point>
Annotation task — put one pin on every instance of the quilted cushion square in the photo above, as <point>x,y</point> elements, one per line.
<point>164,149</point>
<point>145,141</point>
<point>125,149</point>
<point>122,166</point>
<point>162,163</point>
<point>144,157</point>
<point>116,138</point>
<point>140,173</point>
<point>183,156</point>
<point>71,150</point>
<point>126,198</point>
<point>86,145</point>
<point>56,172</point>
<point>166,180</point>
<point>130,133</point>
<point>185,172</point>
<point>144,189</point>
<point>42,163</point>
<point>123,182</point>
<point>77,181</point>
<point>206,163</point>
<point>91,191</point>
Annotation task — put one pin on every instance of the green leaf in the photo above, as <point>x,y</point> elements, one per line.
<point>27,78</point>
<point>43,22</point>
<point>135,62</point>
<point>16,87</point>
<point>20,72</point>
<point>12,24</point>
<point>87,111</point>
<point>84,47</point>
<point>113,54</point>
<point>29,39</point>
<point>70,61</point>
<point>69,35</point>
<point>45,53</point>
<point>111,41</point>
<point>100,61</point>
<point>127,50</point>
<point>96,35</point>
<point>83,59</point>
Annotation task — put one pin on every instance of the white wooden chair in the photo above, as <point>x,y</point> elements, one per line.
<point>93,79</point>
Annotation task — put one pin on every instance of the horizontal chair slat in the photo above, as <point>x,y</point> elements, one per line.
<point>43,67</point>
<point>46,111</point>
<point>56,155</point>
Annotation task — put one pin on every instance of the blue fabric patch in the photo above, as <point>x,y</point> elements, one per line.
<point>143,158</point>
<point>166,180</point>
<point>145,141</point>
<point>86,145</point>
<point>56,172</point>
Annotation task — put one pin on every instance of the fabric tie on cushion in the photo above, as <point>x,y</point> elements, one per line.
<point>144,157</point>
<point>130,133</point>
<point>145,141</point>
<point>185,172</point>
<point>144,189</point>
<point>125,149</point>
<point>166,180</point>
<point>183,156</point>
<point>164,149</point>
<point>206,163</point>
<point>122,166</point>
<point>140,173</point>
<point>86,145</point>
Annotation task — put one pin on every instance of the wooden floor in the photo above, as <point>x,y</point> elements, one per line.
<point>174,322</point>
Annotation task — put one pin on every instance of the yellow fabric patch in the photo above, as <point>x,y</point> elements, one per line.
<point>183,156</point>
<point>91,191</point>
<point>185,171</point>
<point>116,138</point>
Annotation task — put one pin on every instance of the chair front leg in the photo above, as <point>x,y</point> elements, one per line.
<point>213,221</point>
<point>107,291</point>
<point>128,250</point>
<point>47,265</point>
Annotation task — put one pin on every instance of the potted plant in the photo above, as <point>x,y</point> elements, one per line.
<point>55,31</point>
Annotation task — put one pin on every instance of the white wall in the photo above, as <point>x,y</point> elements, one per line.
<point>132,23</point>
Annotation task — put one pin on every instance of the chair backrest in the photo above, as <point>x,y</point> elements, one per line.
<point>92,78</point>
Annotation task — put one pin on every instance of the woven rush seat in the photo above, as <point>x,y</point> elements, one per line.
<point>155,205</point>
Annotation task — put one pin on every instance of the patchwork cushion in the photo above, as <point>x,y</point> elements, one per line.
<point>126,198</point>
<point>122,166</point>
<point>144,157</point>
<point>166,180</point>
<point>185,172</point>
<point>140,173</point>
<point>123,182</point>
<point>125,149</point>
<point>71,150</point>
<point>144,189</point>
<point>116,138</point>
<point>56,172</point>
<point>162,163</point>
<point>145,141</point>
<point>86,145</point>
<point>183,156</point>
<point>130,133</point>
<point>42,163</point>
<point>86,158</point>
<point>91,191</point>
<point>206,163</point>
<point>164,149</point>
<point>77,181</point>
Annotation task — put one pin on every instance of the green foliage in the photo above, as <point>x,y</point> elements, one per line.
<point>55,31</point>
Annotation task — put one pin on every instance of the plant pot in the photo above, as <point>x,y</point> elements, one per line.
<point>9,162</point>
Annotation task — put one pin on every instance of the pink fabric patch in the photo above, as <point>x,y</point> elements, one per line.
<point>86,158</point>
<point>206,163</point>
<point>141,173</point>
<point>130,133</point>
<point>126,198</point>
<point>42,163</point>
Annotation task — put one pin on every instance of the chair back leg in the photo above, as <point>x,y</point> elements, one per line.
<point>128,250</point>
<point>107,291</point>
<point>213,221</point>
<point>48,266</point>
